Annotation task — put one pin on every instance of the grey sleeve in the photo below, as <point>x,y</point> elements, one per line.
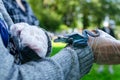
<point>68,64</point>
<point>5,14</point>
<point>74,63</point>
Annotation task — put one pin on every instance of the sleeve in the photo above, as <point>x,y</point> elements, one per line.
<point>66,65</point>
<point>74,63</point>
<point>5,14</point>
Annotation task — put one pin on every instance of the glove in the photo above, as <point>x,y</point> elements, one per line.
<point>106,49</point>
<point>32,40</point>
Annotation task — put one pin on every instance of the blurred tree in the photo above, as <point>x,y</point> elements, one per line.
<point>53,13</point>
<point>46,12</point>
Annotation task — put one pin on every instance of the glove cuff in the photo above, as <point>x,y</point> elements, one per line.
<point>49,49</point>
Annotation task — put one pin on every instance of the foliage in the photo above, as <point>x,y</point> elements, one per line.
<point>51,21</point>
<point>105,75</point>
<point>53,13</point>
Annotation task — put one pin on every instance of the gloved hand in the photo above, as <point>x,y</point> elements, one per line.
<point>106,49</point>
<point>32,40</point>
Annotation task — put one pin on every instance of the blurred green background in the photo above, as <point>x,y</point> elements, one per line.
<point>58,16</point>
<point>53,14</point>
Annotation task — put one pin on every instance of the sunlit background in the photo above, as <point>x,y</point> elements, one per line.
<point>65,16</point>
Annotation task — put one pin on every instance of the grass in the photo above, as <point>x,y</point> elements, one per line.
<point>105,75</point>
<point>57,47</point>
<point>93,74</point>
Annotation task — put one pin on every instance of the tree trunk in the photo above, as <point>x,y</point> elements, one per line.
<point>85,21</point>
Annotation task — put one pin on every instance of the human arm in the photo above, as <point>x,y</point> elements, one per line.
<point>68,64</point>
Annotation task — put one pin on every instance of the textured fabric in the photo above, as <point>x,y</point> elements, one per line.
<point>28,43</point>
<point>31,36</point>
<point>85,58</point>
<point>18,15</point>
<point>6,16</point>
<point>68,64</point>
<point>74,66</point>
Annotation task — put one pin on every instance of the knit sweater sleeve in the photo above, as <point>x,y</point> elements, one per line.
<point>68,64</point>
<point>75,63</point>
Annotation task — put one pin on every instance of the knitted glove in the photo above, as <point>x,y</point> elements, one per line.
<point>32,40</point>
